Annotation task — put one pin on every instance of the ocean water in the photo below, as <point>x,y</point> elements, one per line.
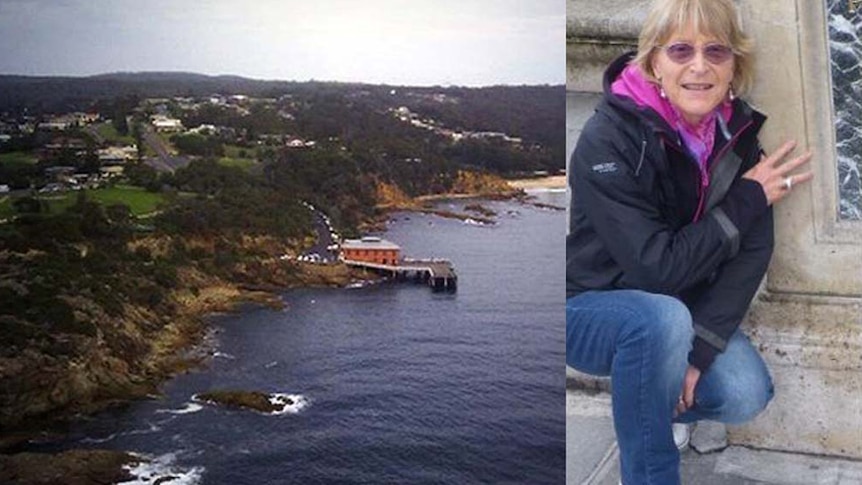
<point>391,383</point>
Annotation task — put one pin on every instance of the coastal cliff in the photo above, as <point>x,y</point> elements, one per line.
<point>119,314</point>
<point>106,354</point>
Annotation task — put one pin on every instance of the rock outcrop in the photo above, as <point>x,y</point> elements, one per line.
<point>253,400</point>
<point>76,467</point>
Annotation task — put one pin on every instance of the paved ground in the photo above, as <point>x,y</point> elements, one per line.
<point>592,457</point>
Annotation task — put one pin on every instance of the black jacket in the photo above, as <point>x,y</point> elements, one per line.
<point>641,219</point>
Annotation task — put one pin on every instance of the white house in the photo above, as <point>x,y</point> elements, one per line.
<point>164,123</point>
<point>117,155</point>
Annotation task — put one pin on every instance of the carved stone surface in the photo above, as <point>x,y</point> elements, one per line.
<point>845,43</point>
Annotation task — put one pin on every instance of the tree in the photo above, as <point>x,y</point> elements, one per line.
<point>138,134</point>
<point>30,205</point>
<point>119,122</point>
<point>142,175</point>
<point>194,144</point>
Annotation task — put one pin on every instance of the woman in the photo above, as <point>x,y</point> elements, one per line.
<point>671,234</point>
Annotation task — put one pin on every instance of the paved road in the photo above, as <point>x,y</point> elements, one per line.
<point>95,134</point>
<point>324,235</point>
<point>165,161</point>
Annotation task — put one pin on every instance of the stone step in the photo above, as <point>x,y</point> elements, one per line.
<point>576,380</point>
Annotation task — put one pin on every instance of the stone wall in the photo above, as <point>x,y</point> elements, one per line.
<point>596,33</point>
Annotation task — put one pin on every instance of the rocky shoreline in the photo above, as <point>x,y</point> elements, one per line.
<point>548,182</point>
<point>53,392</point>
<point>261,402</point>
<point>75,467</point>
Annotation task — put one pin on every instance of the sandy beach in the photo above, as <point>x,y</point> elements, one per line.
<point>552,182</point>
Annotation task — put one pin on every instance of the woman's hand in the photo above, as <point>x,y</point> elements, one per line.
<point>686,396</point>
<point>776,179</point>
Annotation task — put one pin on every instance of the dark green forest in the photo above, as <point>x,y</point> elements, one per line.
<point>534,113</point>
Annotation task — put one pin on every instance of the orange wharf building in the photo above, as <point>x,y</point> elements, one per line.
<point>371,250</point>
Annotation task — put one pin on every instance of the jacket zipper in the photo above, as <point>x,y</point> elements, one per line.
<point>704,173</point>
<point>701,192</point>
<point>701,173</point>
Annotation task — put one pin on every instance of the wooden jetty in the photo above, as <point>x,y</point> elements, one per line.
<point>438,273</point>
<point>382,256</point>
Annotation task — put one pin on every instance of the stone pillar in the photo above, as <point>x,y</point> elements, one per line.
<point>808,322</point>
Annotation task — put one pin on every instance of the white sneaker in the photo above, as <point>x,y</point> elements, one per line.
<point>681,435</point>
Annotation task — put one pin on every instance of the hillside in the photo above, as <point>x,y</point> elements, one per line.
<point>534,113</point>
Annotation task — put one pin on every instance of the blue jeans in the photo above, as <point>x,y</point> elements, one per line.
<point>642,341</point>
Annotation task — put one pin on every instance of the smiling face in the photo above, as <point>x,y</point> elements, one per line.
<point>697,86</point>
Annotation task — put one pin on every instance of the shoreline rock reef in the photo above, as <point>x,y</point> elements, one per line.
<point>125,353</point>
<point>252,400</point>
<point>115,351</point>
<point>468,186</point>
<point>47,392</point>
<point>128,355</point>
<point>74,467</point>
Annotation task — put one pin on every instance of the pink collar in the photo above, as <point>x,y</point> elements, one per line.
<point>699,139</point>
<point>633,84</point>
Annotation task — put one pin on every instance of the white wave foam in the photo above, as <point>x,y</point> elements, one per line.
<point>99,440</point>
<point>363,284</point>
<point>293,403</point>
<point>473,222</point>
<point>162,469</point>
<point>223,355</point>
<point>189,408</point>
<point>151,428</point>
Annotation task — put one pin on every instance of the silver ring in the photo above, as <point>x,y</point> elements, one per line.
<point>788,183</point>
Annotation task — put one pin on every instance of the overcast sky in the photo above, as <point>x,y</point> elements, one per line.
<point>412,42</point>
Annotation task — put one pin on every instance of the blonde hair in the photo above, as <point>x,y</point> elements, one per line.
<point>717,18</point>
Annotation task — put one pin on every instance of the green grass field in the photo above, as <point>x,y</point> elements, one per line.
<point>237,156</point>
<point>243,163</point>
<point>18,158</point>
<point>137,198</point>
<point>6,209</point>
<point>58,203</point>
<point>108,131</point>
<point>140,201</point>
<point>234,151</point>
